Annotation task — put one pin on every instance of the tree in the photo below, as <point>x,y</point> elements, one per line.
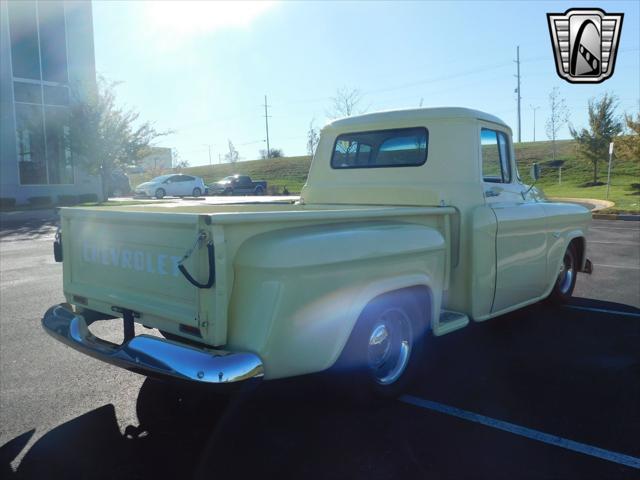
<point>345,102</point>
<point>313,137</point>
<point>558,118</point>
<point>628,146</point>
<point>273,153</point>
<point>233,155</point>
<point>178,162</point>
<point>604,125</point>
<point>104,137</point>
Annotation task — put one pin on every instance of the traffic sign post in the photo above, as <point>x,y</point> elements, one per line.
<point>609,171</point>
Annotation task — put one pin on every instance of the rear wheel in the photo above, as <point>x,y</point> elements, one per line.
<point>160,193</point>
<point>566,281</point>
<point>259,191</point>
<point>386,346</point>
<point>197,192</point>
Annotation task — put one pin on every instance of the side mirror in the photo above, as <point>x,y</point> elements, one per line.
<point>535,175</point>
<point>535,172</point>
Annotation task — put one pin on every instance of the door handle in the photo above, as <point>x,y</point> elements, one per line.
<point>491,193</point>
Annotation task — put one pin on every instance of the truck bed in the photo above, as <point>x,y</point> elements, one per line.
<point>127,257</point>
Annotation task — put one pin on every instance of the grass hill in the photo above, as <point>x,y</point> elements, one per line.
<point>576,173</point>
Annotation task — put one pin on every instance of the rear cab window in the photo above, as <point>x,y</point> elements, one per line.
<point>401,147</point>
<point>496,160</point>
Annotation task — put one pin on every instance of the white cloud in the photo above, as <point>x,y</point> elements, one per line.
<point>184,19</point>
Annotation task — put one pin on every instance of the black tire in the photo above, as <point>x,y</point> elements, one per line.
<point>197,192</point>
<point>160,193</point>
<point>566,281</point>
<point>228,192</point>
<point>396,323</point>
<point>259,191</point>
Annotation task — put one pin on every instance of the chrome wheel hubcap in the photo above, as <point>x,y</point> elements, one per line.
<point>567,272</point>
<point>389,346</point>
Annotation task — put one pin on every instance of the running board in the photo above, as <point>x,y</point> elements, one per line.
<point>450,321</point>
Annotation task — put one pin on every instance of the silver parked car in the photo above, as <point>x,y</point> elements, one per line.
<point>177,185</point>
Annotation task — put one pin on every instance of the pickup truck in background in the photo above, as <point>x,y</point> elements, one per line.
<point>412,223</point>
<point>238,185</point>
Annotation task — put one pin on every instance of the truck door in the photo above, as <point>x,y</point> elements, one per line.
<point>245,185</point>
<point>521,247</point>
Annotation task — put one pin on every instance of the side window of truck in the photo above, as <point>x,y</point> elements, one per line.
<point>400,147</point>
<point>496,164</point>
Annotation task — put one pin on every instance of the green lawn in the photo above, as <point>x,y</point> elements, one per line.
<point>577,174</point>
<point>292,173</point>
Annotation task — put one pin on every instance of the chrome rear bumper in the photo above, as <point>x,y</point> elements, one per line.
<point>153,356</point>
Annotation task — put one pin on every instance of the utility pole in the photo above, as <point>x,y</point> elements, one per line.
<point>534,121</point>
<point>209,145</point>
<point>517,61</point>
<point>266,124</point>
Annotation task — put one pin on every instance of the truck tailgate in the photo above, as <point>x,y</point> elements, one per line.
<point>129,260</point>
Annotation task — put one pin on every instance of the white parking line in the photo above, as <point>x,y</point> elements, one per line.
<point>623,244</point>
<point>628,267</point>
<point>633,229</point>
<point>543,437</point>
<point>603,310</point>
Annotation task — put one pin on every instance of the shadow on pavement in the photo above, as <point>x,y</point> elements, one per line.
<point>174,424</point>
<point>562,371</point>
<point>28,228</point>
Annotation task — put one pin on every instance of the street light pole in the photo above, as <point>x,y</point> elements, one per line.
<point>534,120</point>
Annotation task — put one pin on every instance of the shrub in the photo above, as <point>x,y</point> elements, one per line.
<point>88,198</point>
<point>7,202</point>
<point>67,199</point>
<point>40,201</point>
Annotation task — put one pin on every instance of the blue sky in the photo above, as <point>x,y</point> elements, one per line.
<point>203,68</point>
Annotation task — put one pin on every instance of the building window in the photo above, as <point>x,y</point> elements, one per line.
<point>23,25</point>
<point>41,92</point>
<point>53,41</point>
<point>30,143</point>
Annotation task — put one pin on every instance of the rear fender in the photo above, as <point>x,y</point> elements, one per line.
<point>384,287</point>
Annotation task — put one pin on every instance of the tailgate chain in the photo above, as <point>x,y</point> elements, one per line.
<point>202,236</point>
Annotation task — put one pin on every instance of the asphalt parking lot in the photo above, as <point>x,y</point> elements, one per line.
<point>545,392</point>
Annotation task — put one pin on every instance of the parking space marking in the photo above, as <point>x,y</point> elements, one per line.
<point>628,267</point>
<point>624,244</point>
<point>619,458</point>
<point>603,310</point>
<point>614,228</point>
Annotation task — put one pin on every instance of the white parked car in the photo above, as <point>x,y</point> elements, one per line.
<point>173,185</point>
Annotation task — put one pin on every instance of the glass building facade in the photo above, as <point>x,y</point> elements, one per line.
<point>47,58</point>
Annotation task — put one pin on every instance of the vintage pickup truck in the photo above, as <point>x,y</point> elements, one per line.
<point>411,224</point>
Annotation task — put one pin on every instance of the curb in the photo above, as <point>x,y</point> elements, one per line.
<point>616,216</point>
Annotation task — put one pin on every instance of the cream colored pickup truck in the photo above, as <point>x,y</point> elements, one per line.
<point>412,223</point>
